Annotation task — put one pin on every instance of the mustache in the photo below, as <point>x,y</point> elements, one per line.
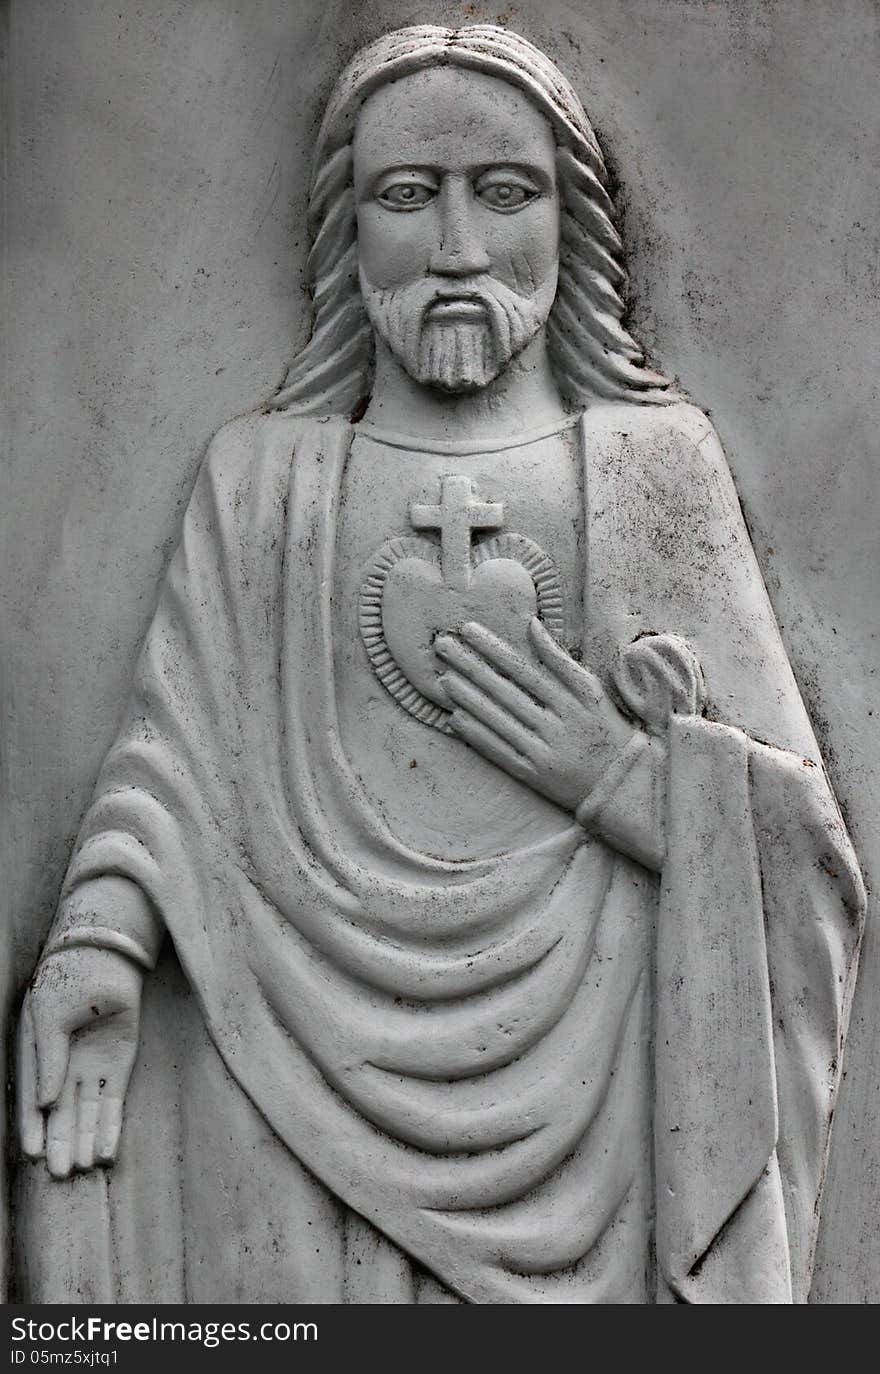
<point>510,316</point>
<point>503,306</point>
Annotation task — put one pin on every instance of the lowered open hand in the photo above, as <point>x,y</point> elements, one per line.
<point>77,1042</point>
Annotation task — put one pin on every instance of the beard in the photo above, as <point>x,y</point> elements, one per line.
<point>456,355</point>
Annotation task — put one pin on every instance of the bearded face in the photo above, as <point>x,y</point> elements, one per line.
<point>457,337</point>
<point>458,224</point>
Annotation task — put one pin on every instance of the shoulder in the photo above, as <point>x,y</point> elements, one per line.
<point>653,432</point>
<point>257,434</point>
<point>658,470</point>
<point>257,448</point>
<point>671,449</point>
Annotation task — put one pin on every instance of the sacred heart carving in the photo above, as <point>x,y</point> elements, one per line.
<point>417,588</point>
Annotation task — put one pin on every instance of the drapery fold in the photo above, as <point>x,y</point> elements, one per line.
<point>734,971</point>
<point>459,1050</point>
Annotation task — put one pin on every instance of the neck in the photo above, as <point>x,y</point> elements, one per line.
<point>524,397</point>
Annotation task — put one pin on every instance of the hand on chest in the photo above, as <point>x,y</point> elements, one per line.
<point>431,541</point>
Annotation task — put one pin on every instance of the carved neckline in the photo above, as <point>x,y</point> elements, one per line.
<point>417,444</point>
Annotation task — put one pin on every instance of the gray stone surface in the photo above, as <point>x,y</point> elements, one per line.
<point>155,241</point>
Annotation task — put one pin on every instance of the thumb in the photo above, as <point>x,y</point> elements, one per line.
<point>53,1052</point>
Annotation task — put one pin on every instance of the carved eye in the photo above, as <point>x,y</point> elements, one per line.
<point>505,193</point>
<point>406,195</point>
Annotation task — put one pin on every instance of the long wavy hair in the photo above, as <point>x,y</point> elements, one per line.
<point>591,352</point>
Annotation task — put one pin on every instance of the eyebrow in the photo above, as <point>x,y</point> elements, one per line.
<point>528,169</point>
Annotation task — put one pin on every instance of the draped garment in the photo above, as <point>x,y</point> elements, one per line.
<point>467,1053</point>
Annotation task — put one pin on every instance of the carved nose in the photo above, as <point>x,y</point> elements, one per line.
<point>460,252</point>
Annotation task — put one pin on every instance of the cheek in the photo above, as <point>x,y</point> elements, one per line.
<point>524,248</point>
<point>394,250</point>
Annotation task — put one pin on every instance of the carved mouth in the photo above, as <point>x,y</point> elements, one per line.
<point>449,308</point>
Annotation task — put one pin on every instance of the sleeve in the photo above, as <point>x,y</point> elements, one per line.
<point>179,718</point>
<point>760,918</point>
<point>626,808</point>
<point>109,912</point>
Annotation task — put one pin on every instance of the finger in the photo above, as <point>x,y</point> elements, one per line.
<point>685,666</point>
<point>108,1130</point>
<point>482,708</point>
<point>53,1052</point>
<point>88,1110</point>
<point>573,675</point>
<point>60,1130</point>
<point>509,662</point>
<point>482,675</point>
<point>487,743</point>
<point>31,1125</point>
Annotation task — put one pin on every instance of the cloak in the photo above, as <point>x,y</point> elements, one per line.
<point>451,1047</point>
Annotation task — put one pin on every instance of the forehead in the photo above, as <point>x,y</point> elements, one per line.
<point>451,118</point>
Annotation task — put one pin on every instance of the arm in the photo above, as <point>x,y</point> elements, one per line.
<point>79,1026</point>
<point>109,912</point>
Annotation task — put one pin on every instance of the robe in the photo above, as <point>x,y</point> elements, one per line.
<point>470,1055</point>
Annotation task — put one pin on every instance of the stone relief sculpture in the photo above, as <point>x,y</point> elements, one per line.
<point>466,771</point>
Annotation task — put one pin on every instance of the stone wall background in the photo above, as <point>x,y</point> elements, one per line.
<point>156,162</point>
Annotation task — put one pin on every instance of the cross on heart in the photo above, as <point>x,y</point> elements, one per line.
<point>418,587</point>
